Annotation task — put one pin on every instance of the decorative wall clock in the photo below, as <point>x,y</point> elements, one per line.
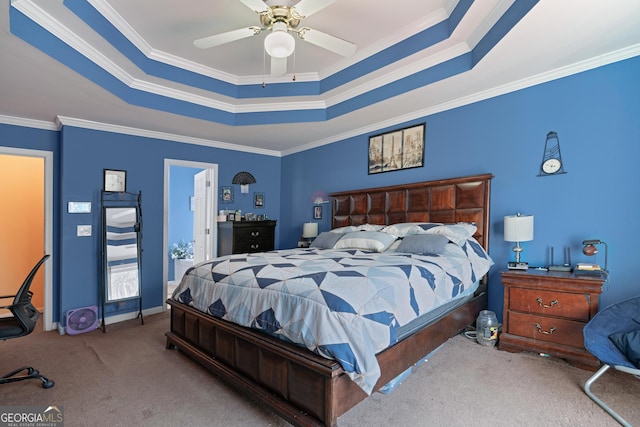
<point>551,159</point>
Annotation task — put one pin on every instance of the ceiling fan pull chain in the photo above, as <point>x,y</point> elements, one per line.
<point>294,65</point>
<point>264,65</point>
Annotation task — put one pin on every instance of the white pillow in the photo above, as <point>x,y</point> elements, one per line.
<point>352,228</point>
<point>375,241</point>
<point>457,233</point>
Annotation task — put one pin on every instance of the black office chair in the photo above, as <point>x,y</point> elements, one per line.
<point>20,324</point>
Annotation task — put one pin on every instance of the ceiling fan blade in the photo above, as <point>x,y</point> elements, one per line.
<point>230,36</point>
<point>255,5</point>
<point>278,66</point>
<point>326,41</point>
<point>309,7</point>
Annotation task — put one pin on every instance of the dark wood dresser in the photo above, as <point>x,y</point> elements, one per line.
<point>238,237</point>
<point>545,312</point>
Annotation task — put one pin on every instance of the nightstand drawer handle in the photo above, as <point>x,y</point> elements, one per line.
<point>552,330</point>
<point>551,304</point>
<point>255,233</point>
<point>255,246</point>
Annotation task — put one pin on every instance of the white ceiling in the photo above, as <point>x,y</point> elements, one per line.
<point>554,39</point>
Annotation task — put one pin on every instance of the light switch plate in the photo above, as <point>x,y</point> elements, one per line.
<point>84,230</point>
<point>79,207</point>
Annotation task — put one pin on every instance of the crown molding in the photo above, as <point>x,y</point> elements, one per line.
<point>146,133</point>
<point>28,123</point>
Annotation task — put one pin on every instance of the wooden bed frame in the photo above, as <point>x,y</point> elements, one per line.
<point>309,390</point>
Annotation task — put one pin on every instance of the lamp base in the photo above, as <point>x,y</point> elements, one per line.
<point>518,265</point>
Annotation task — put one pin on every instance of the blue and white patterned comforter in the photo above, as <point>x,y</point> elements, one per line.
<point>341,304</point>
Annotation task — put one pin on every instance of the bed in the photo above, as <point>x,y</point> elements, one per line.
<point>297,383</point>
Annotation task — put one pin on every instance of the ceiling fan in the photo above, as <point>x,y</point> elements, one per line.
<point>281,21</point>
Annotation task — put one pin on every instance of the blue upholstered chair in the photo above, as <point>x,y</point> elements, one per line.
<point>613,336</point>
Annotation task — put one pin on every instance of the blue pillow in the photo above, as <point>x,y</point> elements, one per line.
<point>629,344</point>
<point>325,240</point>
<point>423,244</point>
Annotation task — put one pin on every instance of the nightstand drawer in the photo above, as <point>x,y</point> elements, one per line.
<point>550,303</point>
<point>561,331</point>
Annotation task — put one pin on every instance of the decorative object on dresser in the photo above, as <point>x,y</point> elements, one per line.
<point>518,228</point>
<point>236,237</point>
<point>545,312</point>
<point>589,249</point>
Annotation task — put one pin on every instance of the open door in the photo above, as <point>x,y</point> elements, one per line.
<point>204,218</point>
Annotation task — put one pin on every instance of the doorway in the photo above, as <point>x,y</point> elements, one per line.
<point>190,203</point>
<point>28,196</point>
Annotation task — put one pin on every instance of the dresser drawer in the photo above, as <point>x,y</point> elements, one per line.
<point>561,331</point>
<point>255,239</point>
<point>550,303</point>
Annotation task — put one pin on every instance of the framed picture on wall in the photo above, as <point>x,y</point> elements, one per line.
<point>398,149</point>
<point>226,194</point>
<point>258,200</point>
<point>317,212</point>
<point>115,180</point>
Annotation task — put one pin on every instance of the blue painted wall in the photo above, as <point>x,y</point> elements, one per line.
<point>84,155</point>
<point>596,116</point>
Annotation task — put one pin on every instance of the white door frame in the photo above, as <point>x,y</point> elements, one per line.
<point>48,324</point>
<point>165,226</point>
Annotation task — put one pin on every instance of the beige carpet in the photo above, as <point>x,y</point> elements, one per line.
<point>126,377</point>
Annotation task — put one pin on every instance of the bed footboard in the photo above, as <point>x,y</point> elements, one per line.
<point>301,387</point>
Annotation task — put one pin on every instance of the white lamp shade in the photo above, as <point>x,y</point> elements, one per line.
<point>518,228</point>
<point>279,43</point>
<point>310,230</point>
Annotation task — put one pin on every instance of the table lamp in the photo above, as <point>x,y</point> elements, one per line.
<point>309,231</point>
<point>518,228</point>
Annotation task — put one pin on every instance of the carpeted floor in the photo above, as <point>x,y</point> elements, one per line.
<point>126,377</point>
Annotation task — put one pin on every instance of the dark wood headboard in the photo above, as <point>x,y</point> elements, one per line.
<point>464,199</point>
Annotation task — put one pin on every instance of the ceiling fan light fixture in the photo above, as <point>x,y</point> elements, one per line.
<point>279,43</point>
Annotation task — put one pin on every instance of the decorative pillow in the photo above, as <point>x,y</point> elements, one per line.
<point>423,244</point>
<point>325,240</point>
<point>363,227</point>
<point>365,240</point>
<point>629,344</point>
<point>457,233</point>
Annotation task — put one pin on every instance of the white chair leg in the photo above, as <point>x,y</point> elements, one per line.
<point>587,389</point>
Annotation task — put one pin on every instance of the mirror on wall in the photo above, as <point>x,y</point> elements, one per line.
<point>121,253</point>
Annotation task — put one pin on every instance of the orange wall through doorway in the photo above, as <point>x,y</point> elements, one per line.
<point>21,224</point>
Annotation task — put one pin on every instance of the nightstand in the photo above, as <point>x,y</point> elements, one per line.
<point>545,312</point>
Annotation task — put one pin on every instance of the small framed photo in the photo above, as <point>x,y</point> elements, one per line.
<point>317,212</point>
<point>226,194</point>
<point>258,200</point>
<point>115,180</point>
